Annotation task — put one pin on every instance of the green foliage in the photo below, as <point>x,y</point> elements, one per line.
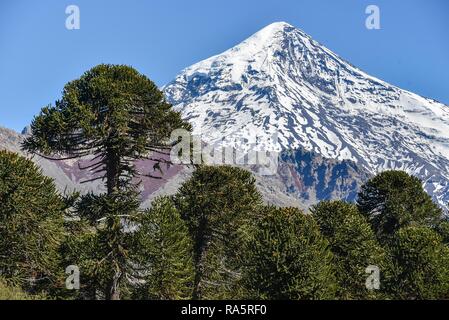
<point>421,265</point>
<point>286,257</point>
<point>217,204</point>
<point>394,199</point>
<point>103,243</point>
<point>443,230</point>
<point>165,257</point>
<point>31,225</point>
<point>118,116</point>
<point>82,248</point>
<point>213,239</point>
<point>14,293</point>
<point>353,244</point>
<point>112,112</point>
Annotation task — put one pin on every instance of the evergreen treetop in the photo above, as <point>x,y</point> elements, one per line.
<point>114,114</point>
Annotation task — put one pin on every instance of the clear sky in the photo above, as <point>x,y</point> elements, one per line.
<point>38,55</point>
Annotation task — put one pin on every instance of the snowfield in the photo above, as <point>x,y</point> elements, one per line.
<point>280,81</point>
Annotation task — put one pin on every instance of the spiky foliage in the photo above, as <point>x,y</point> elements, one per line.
<point>421,265</point>
<point>287,258</point>
<point>394,199</point>
<point>102,243</point>
<point>8,292</point>
<point>217,203</point>
<point>443,230</point>
<point>165,255</point>
<point>113,113</point>
<point>82,249</point>
<point>31,225</point>
<point>115,116</point>
<point>354,246</point>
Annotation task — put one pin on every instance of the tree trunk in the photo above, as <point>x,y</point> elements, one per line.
<point>112,172</point>
<point>112,183</point>
<point>113,292</point>
<point>200,248</point>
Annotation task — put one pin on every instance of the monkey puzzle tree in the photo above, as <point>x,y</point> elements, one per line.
<point>31,225</point>
<point>287,258</point>
<point>113,113</point>
<point>115,116</point>
<point>217,204</point>
<point>421,265</point>
<point>443,229</point>
<point>101,243</point>
<point>353,244</point>
<point>13,293</point>
<point>392,200</point>
<point>165,254</point>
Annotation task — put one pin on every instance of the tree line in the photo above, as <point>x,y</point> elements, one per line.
<point>215,238</point>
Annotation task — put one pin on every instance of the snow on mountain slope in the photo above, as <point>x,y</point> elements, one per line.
<point>68,177</point>
<point>281,81</point>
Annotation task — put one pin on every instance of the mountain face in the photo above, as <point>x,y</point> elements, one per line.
<point>335,126</point>
<point>68,176</point>
<point>280,81</point>
<point>310,177</point>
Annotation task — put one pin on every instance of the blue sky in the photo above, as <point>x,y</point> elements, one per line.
<point>38,55</point>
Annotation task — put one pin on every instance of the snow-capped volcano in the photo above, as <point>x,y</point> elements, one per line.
<point>282,81</point>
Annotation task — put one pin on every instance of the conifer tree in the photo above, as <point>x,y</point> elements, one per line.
<point>114,116</point>
<point>287,258</point>
<point>31,225</point>
<point>443,230</point>
<point>165,256</point>
<point>420,265</point>
<point>217,204</point>
<point>82,248</point>
<point>104,244</point>
<point>394,199</point>
<point>8,292</point>
<point>354,246</point>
